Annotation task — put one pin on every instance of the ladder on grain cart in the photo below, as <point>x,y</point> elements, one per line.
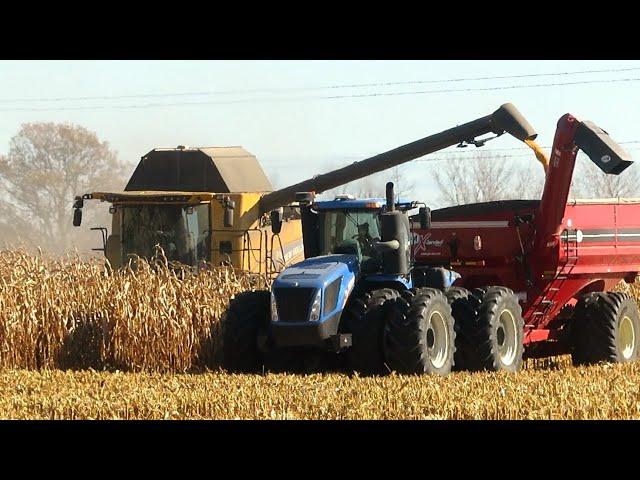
<point>567,261</point>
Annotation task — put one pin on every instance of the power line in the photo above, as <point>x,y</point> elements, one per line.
<point>262,100</point>
<point>324,87</point>
<point>485,89</point>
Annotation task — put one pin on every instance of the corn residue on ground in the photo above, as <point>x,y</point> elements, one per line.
<point>600,392</point>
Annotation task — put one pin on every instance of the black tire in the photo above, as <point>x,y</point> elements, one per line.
<point>493,330</point>
<point>419,336</point>
<point>245,328</point>
<point>464,308</point>
<point>605,328</point>
<point>364,318</point>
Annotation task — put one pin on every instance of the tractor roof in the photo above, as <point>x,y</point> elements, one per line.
<point>359,204</point>
<point>206,169</point>
<point>345,204</point>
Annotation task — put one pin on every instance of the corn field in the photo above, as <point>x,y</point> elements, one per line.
<point>78,340</point>
<point>64,313</point>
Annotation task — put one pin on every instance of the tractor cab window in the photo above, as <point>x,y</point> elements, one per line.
<point>181,231</point>
<point>345,230</point>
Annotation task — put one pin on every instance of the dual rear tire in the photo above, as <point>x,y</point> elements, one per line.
<point>490,329</point>
<point>605,327</point>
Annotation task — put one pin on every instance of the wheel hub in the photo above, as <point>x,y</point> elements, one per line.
<point>626,337</point>
<point>437,340</point>
<point>506,337</point>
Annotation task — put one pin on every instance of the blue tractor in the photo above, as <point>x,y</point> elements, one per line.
<point>355,297</point>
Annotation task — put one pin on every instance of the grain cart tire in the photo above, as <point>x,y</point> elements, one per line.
<point>419,336</point>
<point>245,326</point>
<point>364,318</point>
<point>464,308</point>
<point>496,334</point>
<point>606,328</point>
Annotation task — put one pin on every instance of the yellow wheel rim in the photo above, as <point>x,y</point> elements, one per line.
<point>507,338</point>
<point>627,337</point>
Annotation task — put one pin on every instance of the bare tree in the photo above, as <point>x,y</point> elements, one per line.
<point>47,165</point>
<point>591,182</point>
<point>481,178</point>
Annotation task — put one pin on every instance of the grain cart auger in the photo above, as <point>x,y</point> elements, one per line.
<point>537,275</point>
<point>354,295</point>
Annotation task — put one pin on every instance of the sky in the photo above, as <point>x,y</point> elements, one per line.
<point>286,112</point>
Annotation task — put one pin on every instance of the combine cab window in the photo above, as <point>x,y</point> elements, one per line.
<point>342,228</point>
<point>183,236</point>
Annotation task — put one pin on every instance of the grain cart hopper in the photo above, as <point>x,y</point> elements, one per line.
<point>537,274</point>
<point>357,279</point>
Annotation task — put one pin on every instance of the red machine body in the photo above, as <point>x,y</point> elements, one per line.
<point>548,251</point>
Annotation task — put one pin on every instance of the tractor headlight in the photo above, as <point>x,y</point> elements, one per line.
<point>314,314</point>
<point>348,290</point>
<point>274,308</point>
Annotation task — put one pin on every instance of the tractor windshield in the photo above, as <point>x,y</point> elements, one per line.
<point>344,228</point>
<point>182,232</point>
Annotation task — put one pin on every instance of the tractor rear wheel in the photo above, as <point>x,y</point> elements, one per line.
<point>245,329</point>
<point>605,328</point>
<point>419,336</point>
<point>493,330</point>
<point>464,308</point>
<point>364,317</point>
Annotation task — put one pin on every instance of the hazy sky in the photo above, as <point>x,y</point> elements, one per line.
<point>278,110</point>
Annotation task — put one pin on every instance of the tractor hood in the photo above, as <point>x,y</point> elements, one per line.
<point>324,281</point>
<point>318,271</point>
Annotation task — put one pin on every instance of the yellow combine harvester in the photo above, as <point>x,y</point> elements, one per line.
<point>200,205</point>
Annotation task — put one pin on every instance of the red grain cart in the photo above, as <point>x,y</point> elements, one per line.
<point>537,274</point>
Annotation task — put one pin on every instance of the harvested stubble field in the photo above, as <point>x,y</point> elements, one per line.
<point>79,342</point>
<point>601,392</point>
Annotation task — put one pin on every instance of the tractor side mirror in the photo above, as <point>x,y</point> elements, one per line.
<point>77,217</point>
<point>276,220</point>
<point>229,206</point>
<point>305,198</point>
<point>425,218</point>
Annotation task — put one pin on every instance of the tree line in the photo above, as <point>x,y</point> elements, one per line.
<point>47,164</point>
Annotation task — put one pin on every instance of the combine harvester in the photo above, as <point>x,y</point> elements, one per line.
<point>379,296</point>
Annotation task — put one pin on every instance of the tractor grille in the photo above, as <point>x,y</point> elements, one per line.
<point>293,303</point>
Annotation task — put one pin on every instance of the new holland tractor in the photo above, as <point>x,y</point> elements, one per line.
<point>356,295</point>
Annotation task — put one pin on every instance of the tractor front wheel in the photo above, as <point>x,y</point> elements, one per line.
<point>605,328</point>
<point>419,336</point>
<point>245,328</point>
<point>364,317</point>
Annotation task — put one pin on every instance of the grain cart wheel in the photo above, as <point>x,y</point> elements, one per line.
<point>464,308</point>
<point>419,335</point>
<point>606,328</point>
<point>364,318</point>
<point>245,326</point>
<point>497,332</point>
